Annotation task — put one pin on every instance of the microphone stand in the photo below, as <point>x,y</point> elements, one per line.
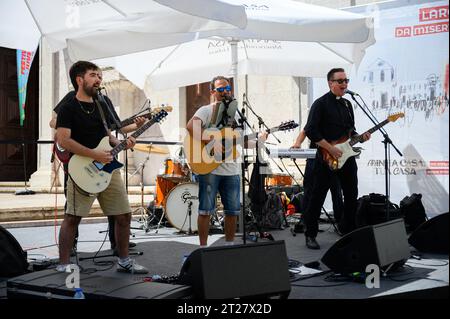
<point>260,120</point>
<point>261,123</point>
<point>242,227</point>
<point>243,167</point>
<point>387,154</point>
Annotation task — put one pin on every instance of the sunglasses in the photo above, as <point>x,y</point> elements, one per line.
<point>227,88</point>
<point>340,81</point>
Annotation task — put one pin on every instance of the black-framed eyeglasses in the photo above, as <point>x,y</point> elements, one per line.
<point>225,88</point>
<point>340,81</point>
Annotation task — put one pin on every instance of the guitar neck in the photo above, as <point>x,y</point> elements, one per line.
<point>122,145</point>
<point>131,120</point>
<point>359,138</point>
<point>268,131</point>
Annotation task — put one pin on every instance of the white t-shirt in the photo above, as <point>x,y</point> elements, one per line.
<point>204,113</point>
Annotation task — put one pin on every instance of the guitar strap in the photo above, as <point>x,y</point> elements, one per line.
<point>214,114</point>
<point>102,116</point>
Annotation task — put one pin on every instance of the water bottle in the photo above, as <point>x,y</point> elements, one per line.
<point>79,294</point>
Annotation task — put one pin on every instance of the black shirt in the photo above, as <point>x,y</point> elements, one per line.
<point>71,95</point>
<point>330,118</point>
<point>86,129</point>
<point>66,99</point>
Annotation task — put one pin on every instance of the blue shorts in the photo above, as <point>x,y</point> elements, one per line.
<point>228,188</point>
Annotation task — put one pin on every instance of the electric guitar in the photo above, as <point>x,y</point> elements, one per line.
<point>64,155</point>
<point>201,155</point>
<point>94,177</point>
<point>345,144</point>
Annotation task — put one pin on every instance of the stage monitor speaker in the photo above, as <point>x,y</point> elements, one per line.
<point>252,270</point>
<point>13,260</point>
<point>432,236</point>
<point>382,244</point>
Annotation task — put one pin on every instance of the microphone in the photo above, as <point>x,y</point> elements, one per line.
<point>99,93</point>
<point>350,92</point>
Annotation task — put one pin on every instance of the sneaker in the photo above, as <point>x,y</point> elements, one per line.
<point>132,267</point>
<point>62,267</point>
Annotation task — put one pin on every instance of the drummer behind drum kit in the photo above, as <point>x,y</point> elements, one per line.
<point>176,195</point>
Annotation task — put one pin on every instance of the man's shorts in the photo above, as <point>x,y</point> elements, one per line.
<point>113,200</point>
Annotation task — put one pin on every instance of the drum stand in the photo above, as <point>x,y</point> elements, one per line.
<point>189,214</point>
<point>190,217</point>
<point>142,210</point>
<point>147,224</point>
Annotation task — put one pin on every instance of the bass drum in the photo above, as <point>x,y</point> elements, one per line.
<point>177,207</point>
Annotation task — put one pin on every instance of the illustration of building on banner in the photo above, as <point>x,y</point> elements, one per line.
<point>428,96</point>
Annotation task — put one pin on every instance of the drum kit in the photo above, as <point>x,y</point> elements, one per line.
<point>176,194</point>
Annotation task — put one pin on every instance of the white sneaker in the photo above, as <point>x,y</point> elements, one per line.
<point>62,267</point>
<point>132,267</point>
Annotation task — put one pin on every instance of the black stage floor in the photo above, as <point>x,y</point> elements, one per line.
<point>427,277</point>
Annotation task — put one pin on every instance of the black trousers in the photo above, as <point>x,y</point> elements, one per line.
<point>335,189</point>
<point>323,177</point>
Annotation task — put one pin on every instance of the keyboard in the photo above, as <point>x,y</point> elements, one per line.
<point>292,153</point>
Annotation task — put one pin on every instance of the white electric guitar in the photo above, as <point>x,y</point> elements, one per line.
<point>94,177</point>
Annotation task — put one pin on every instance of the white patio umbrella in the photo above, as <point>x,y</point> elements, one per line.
<point>94,29</point>
<point>282,37</point>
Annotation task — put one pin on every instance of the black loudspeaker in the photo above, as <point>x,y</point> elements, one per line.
<point>253,270</point>
<point>13,260</point>
<point>382,244</point>
<point>432,236</point>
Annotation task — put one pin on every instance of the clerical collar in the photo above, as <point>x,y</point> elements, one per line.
<point>337,97</point>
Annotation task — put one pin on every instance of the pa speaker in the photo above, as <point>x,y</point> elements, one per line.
<point>253,270</point>
<point>432,236</point>
<point>13,260</point>
<point>382,244</point>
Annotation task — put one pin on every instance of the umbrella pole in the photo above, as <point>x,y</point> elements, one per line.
<point>233,73</point>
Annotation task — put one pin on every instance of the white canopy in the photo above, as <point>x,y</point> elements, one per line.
<point>281,38</point>
<point>94,29</point>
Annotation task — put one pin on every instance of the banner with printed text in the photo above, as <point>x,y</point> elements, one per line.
<point>406,72</point>
<point>24,60</point>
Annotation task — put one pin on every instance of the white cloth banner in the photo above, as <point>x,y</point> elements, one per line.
<point>407,70</point>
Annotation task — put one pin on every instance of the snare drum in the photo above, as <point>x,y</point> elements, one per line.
<point>178,212</point>
<point>163,187</point>
<point>175,170</point>
<point>279,180</point>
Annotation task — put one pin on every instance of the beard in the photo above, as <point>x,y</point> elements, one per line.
<point>90,90</point>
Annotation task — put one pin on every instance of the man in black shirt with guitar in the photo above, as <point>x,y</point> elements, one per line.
<point>330,121</point>
<point>138,122</point>
<point>83,128</point>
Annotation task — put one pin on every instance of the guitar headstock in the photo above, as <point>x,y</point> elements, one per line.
<point>166,108</point>
<point>286,126</point>
<point>158,117</point>
<point>395,117</point>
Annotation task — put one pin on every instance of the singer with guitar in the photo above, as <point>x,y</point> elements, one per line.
<point>330,119</point>
<point>81,125</point>
<point>225,178</point>
<point>137,123</point>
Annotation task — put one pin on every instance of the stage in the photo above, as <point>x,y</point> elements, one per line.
<point>422,276</point>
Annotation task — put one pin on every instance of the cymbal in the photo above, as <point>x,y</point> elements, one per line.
<point>150,149</point>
